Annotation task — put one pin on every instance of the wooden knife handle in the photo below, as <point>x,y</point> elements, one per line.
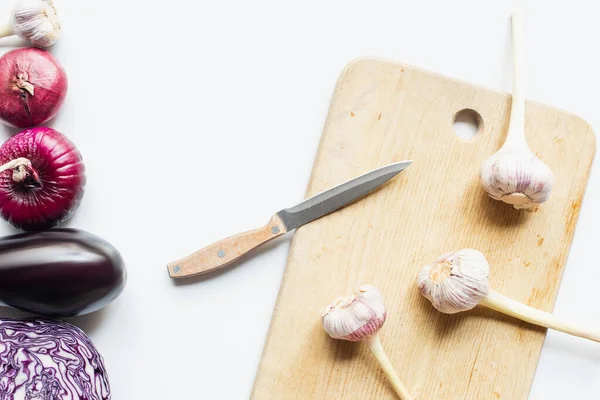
<point>221,253</point>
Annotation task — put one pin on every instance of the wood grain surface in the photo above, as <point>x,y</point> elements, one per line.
<point>226,251</point>
<point>383,112</point>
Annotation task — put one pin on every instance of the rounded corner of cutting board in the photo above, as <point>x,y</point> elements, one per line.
<point>590,134</point>
<point>365,62</point>
<point>585,134</point>
<point>358,62</point>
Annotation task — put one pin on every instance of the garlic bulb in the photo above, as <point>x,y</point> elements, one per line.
<point>459,281</point>
<point>514,174</point>
<point>456,281</point>
<point>517,177</point>
<point>358,318</point>
<point>35,21</point>
<point>355,318</point>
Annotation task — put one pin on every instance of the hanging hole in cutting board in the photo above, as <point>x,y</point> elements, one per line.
<point>467,124</point>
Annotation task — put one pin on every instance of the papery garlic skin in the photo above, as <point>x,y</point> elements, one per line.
<point>514,174</point>
<point>355,318</point>
<point>456,281</point>
<point>358,318</point>
<point>36,21</point>
<point>517,177</point>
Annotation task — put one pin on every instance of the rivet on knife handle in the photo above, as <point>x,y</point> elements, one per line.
<point>223,252</point>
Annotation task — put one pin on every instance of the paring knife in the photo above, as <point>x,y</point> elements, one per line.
<point>221,253</point>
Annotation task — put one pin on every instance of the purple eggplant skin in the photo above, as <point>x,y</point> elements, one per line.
<point>59,272</point>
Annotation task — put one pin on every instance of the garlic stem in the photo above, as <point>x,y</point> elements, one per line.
<point>515,137</point>
<point>503,304</point>
<point>6,30</point>
<point>375,346</point>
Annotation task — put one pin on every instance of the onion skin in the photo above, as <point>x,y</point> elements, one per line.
<point>61,180</point>
<point>43,359</point>
<point>59,272</point>
<point>18,107</point>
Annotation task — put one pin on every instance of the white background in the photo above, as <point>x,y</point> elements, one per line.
<point>200,119</point>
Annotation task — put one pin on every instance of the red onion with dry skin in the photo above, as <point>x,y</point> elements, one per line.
<point>33,86</point>
<point>42,177</point>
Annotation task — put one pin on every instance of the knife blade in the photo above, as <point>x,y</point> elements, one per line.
<point>224,252</point>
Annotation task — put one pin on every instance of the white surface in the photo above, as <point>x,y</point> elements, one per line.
<point>200,119</point>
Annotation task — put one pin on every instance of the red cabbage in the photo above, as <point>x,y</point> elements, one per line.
<point>42,359</point>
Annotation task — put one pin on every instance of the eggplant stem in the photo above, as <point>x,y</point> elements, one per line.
<point>375,346</point>
<point>515,137</point>
<point>503,304</point>
<point>6,30</point>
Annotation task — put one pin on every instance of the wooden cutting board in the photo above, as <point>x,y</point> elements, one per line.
<point>383,112</point>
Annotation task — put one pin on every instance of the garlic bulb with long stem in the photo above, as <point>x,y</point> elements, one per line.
<point>358,318</point>
<point>35,21</point>
<point>459,281</point>
<point>514,174</point>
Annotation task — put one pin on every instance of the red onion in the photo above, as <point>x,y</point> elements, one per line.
<point>33,86</point>
<point>41,179</point>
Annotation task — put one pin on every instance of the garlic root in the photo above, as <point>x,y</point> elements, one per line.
<point>505,305</point>
<point>375,346</point>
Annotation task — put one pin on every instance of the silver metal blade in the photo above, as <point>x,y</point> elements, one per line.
<point>339,196</point>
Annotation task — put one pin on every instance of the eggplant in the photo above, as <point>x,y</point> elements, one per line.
<point>59,272</point>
